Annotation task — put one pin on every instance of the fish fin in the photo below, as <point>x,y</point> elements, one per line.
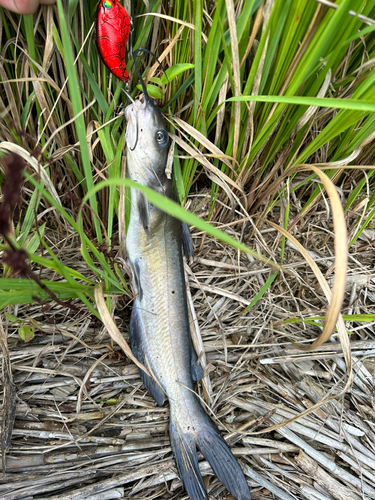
<point>202,434</point>
<point>195,366</point>
<point>137,345</point>
<point>136,272</point>
<point>225,466</point>
<point>185,455</point>
<point>138,278</point>
<point>144,211</point>
<point>186,241</point>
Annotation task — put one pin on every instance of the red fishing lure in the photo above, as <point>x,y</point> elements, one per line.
<point>112,33</point>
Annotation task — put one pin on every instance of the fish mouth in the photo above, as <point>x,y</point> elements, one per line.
<point>139,113</point>
<point>132,109</point>
<point>131,117</point>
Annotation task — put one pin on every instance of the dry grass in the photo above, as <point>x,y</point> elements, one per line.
<point>117,444</point>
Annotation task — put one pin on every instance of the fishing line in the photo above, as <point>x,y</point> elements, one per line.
<point>125,91</point>
<point>132,101</point>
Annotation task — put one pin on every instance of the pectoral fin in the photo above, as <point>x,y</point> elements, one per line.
<point>138,347</point>
<point>136,272</point>
<point>144,212</point>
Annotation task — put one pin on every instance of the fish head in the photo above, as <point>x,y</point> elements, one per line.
<point>147,143</point>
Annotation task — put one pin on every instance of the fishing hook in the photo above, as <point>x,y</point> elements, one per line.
<point>135,53</point>
<point>144,89</point>
<point>136,134</point>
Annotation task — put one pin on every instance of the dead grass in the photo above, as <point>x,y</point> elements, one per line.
<point>117,445</point>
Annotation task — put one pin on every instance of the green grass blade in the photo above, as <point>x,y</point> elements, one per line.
<point>324,102</point>
<point>75,95</point>
<point>261,292</point>
<point>172,208</point>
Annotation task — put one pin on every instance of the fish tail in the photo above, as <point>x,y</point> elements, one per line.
<point>206,438</point>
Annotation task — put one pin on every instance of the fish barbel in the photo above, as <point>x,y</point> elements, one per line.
<point>159,323</point>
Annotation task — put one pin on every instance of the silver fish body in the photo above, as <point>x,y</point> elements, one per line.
<point>159,324</point>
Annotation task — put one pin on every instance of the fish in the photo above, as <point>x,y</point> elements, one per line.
<point>159,323</point>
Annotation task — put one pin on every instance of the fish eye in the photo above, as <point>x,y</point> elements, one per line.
<point>162,137</point>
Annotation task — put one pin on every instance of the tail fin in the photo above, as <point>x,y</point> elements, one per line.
<point>185,455</point>
<point>226,468</point>
<point>213,447</point>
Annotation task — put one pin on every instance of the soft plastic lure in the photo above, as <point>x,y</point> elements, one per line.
<point>112,33</point>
